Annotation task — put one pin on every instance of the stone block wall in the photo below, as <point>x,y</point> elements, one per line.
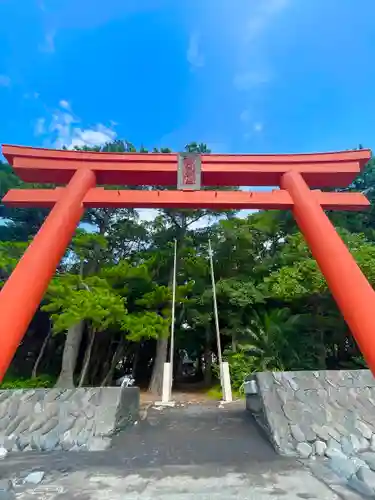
<point>68,419</point>
<point>313,413</point>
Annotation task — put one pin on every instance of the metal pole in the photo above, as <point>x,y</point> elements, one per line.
<point>219,355</point>
<point>173,311</point>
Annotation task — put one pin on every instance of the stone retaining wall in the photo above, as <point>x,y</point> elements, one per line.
<point>68,419</point>
<point>313,413</point>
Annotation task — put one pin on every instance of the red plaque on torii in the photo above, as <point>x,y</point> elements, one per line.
<point>189,172</point>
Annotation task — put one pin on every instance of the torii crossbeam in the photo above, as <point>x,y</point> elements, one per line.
<point>298,176</point>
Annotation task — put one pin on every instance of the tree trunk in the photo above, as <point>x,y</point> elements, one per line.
<point>136,359</point>
<point>115,359</point>
<point>156,383</point>
<point>208,369</point>
<point>321,347</point>
<point>102,353</point>
<point>199,376</point>
<point>87,358</point>
<point>234,341</point>
<point>177,367</point>
<point>41,353</point>
<point>70,354</point>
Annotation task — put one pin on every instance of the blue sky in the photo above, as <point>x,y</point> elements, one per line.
<point>260,76</point>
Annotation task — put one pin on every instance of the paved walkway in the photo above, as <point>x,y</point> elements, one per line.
<point>189,452</point>
<point>195,435</point>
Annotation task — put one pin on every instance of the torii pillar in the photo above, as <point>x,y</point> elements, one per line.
<point>81,171</point>
<point>349,287</point>
<point>25,288</point>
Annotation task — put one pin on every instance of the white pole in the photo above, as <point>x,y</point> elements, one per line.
<point>171,352</point>
<point>219,355</point>
<point>166,390</point>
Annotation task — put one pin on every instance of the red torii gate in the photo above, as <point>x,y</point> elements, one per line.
<point>81,172</point>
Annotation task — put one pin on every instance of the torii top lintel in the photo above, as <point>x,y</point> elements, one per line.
<point>58,166</point>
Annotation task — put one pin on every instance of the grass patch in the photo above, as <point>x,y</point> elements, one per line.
<point>41,382</point>
<point>215,393</point>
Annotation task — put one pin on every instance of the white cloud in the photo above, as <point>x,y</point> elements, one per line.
<point>64,104</point>
<point>262,18</point>
<point>254,128</point>
<point>96,136</point>
<point>245,116</point>
<point>31,95</point>
<point>248,120</point>
<point>48,44</point>
<point>194,54</point>
<point>64,129</point>
<point>147,214</point>
<point>40,126</point>
<point>247,80</point>
<point>5,81</point>
<point>256,71</point>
